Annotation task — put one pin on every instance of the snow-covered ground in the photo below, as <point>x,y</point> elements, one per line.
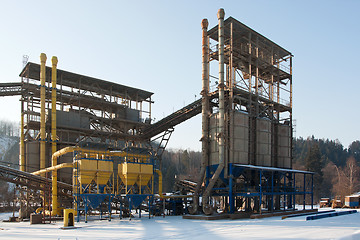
<point>174,227</point>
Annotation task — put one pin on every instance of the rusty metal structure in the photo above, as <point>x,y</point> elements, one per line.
<point>89,111</point>
<point>247,129</point>
<point>246,121</point>
<point>61,109</point>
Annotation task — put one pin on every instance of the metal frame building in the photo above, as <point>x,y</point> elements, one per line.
<point>246,121</point>
<point>246,130</point>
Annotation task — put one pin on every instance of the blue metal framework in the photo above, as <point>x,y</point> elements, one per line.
<point>258,189</point>
<point>92,195</point>
<point>133,196</point>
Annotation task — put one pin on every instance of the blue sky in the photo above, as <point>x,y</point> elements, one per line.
<point>156,46</point>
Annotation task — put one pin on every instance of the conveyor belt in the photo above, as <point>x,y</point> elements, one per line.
<point>186,185</point>
<point>170,121</point>
<point>10,89</point>
<point>31,181</point>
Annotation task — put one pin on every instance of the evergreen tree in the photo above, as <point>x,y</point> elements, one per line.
<point>314,163</point>
<point>354,150</point>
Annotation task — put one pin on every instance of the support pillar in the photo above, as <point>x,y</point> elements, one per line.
<point>231,194</point>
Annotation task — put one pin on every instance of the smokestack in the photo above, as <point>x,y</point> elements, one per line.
<point>204,113</point>
<point>205,94</point>
<point>54,62</point>
<point>42,109</point>
<point>220,15</point>
<point>207,209</point>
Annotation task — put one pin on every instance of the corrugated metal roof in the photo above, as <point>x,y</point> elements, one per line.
<point>241,33</point>
<point>32,71</point>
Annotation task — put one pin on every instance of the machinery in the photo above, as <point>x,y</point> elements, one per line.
<point>98,136</point>
<point>246,123</point>
<point>337,202</point>
<point>325,202</point>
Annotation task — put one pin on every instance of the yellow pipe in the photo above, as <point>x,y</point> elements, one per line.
<point>160,182</point>
<point>54,158</point>
<point>42,109</point>
<point>63,151</point>
<point>22,145</point>
<point>160,188</point>
<point>54,62</point>
<point>53,168</point>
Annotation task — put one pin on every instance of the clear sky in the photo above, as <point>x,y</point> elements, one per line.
<point>156,46</point>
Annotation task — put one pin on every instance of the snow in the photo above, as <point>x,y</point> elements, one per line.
<point>6,143</point>
<point>174,227</point>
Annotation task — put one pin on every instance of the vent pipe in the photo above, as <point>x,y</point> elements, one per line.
<point>54,62</point>
<point>221,86</point>
<point>205,114</point>
<point>207,209</point>
<point>42,109</point>
<point>22,139</point>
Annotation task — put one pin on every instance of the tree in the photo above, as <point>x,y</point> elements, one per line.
<point>314,163</point>
<point>354,150</point>
<point>185,160</point>
<point>351,176</point>
<point>347,180</point>
<point>5,195</point>
<point>330,175</point>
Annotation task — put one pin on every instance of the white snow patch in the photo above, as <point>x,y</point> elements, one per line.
<point>174,227</point>
<point>6,143</point>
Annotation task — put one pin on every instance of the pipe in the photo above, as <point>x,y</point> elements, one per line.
<point>56,166</point>
<point>221,14</point>
<point>65,150</point>
<point>53,168</point>
<point>54,158</point>
<point>160,188</point>
<point>204,112</point>
<point>42,110</point>
<point>206,207</point>
<point>22,138</point>
<point>61,152</point>
<point>54,62</point>
<point>158,171</point>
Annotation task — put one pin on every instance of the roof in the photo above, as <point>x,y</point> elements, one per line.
<point>32,71</point>
<point>241,33</point>
<point>272,169</point>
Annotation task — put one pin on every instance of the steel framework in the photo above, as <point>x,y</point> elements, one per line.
<point>246,121</point>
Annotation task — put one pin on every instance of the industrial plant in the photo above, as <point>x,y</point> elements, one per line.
<point>91,147</point>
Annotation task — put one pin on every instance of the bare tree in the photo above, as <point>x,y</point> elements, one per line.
<point>351,175</point>
<point>346,181</point>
